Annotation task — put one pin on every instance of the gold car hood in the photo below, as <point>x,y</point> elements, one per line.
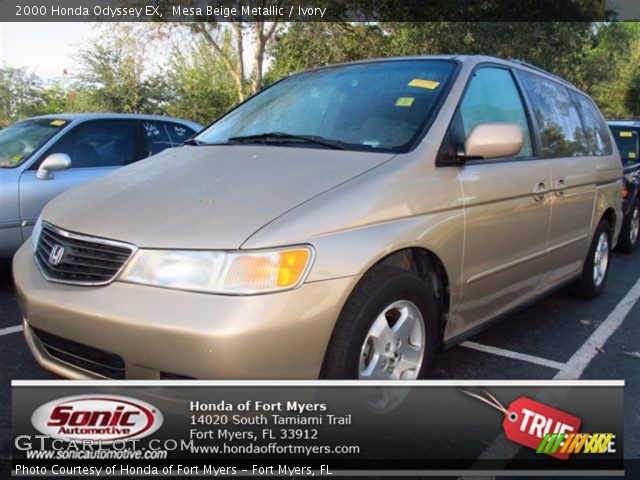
<point>204,197</point>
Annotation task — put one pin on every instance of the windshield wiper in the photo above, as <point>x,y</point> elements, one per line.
<point>194,142</point>
<point>280,137</point>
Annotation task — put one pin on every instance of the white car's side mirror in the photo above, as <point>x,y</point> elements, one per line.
<point>53,163</point>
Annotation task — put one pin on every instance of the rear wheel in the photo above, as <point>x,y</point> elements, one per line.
<point>596,266</point>
<point>630,229</point>
<point>387,330</point>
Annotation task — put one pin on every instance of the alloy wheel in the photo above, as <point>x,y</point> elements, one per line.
<point>394,346</point>
<point>601,259</point>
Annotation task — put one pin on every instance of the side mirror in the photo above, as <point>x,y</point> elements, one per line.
<point>53,163</point>
<point>493,140</point>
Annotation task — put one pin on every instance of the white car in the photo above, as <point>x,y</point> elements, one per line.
<point>42,157</point>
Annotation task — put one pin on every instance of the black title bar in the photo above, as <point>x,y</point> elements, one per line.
<point>318,11</point>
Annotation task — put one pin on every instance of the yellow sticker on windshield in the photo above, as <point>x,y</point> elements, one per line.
<point>626,134</point>
<point>404,101</point>
<point>57,123</point>
<point>17,157</point>
<point>632,154</point>
<point>420,83</point>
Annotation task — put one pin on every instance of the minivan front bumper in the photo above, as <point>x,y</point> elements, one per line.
<point>162,333</point>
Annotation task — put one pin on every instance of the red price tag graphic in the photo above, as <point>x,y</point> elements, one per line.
<point>526,421</point>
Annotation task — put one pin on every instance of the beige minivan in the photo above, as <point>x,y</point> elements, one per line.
<point>346,222</point>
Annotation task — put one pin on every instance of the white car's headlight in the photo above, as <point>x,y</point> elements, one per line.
<point>232,273</point>
<point>35,234</point>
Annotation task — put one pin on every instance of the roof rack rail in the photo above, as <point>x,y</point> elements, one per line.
<point>542,70</point>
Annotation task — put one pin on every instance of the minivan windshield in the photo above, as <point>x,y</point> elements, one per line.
<point>628,144</point>
<point>20,140</point>
<point>378,106</point>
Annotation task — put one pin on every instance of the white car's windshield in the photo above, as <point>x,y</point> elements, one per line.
<point>19,141</point>
<point>381,106</point>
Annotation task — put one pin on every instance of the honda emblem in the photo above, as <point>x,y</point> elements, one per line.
<point>55,257</point>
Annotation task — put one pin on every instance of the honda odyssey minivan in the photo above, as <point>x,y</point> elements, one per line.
<point>346,222</point>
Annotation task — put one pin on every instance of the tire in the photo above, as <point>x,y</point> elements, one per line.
<point>591,283</point>
<point>630,229</point>
<point>358,350</point>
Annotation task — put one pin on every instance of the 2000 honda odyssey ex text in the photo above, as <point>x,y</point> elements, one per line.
<point>345,222</point>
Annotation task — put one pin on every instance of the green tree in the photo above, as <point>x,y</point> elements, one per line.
<point>555,46</point>
<point>54,99</point>
<point>20,95</point>
<point>612,69</point>
<point>114,75</point>
<point>632,97</point>
<point>306,45</point>
<point>232,58</point>
<point>201,87</point>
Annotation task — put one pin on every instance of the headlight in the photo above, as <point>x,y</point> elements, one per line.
<point>233,273</point>
<point>35,234</point>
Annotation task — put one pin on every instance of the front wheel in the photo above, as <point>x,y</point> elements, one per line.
<point>630,229</point>
<point>596,266</point>
<point>387,330</point>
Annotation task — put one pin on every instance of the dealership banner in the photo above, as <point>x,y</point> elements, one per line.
<point>316,428</point>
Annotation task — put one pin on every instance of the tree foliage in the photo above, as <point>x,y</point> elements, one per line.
<point>557,47</point>
<point>611,72</point>
<point>232,55</point>
<point>205,68</point>
<point>307,45</point>
<point>201,88</point>
<point>113,75</point>
<point>21,94</point>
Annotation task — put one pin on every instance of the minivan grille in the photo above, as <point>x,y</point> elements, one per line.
<point>68,257</point>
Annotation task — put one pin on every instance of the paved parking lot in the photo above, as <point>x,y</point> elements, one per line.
<point>559,337</point>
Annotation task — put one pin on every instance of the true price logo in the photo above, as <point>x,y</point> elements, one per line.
<point>527,421</point>
<point>104,418</point>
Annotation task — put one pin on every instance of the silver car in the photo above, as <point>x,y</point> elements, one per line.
<point>44,156</point>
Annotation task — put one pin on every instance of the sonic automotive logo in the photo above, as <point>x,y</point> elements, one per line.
<point>104,418</point>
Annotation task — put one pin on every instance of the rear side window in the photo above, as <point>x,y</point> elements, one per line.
<point>159,136</point>
<point>561,132</point>
<point>596,140</point>
<point>156,138</point>
<point>99,143</point>
<point>492,96</point>
<point>179,133</point>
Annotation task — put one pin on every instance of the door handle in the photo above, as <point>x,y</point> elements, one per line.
<point>540,192</point>
<point>560,187</point>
